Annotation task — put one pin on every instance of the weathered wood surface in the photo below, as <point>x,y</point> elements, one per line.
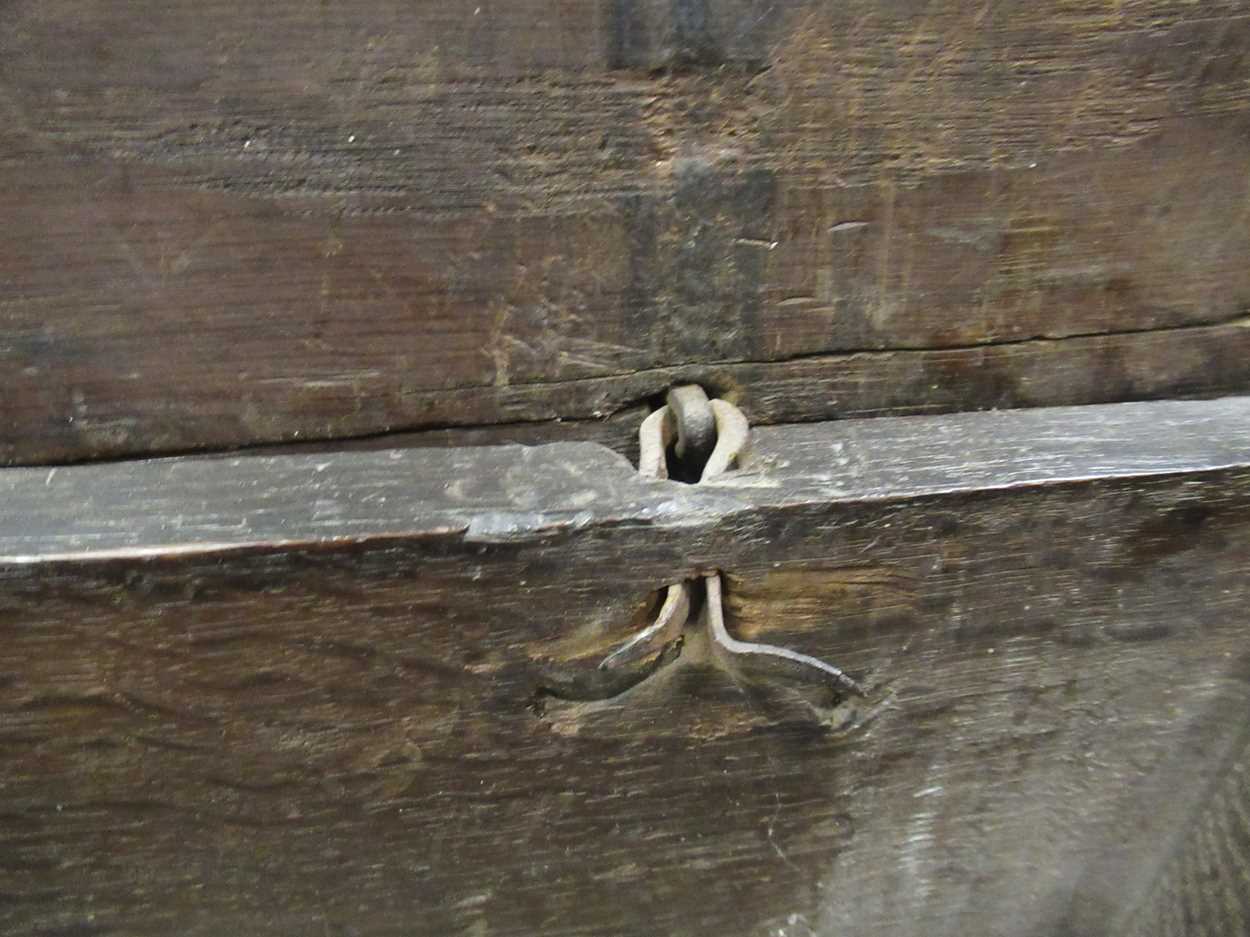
<point>228,224</point>
<point>296,694</point>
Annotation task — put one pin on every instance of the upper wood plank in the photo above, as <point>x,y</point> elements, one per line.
<point>227,225</point>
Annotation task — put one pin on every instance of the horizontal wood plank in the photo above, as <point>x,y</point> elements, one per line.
<point>301,693</point>
<point>227,227</point>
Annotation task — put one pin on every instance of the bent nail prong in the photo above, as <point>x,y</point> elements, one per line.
<point>799,665</point>
<point>666,628</point>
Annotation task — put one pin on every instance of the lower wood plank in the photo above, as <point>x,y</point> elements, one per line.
<point>301,693</point>
<point>227,226</point>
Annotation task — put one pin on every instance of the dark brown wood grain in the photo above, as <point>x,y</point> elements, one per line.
<point>295,693</point>
<point>227,224</point>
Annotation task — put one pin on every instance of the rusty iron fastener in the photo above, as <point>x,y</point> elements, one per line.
<point>668,425</point>
<point>684,421</point>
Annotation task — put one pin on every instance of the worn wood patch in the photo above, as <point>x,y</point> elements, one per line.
<point>297,693</point>
<point>226,226</point>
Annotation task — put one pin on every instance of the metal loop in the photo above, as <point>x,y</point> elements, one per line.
<point>731,434</point>
<point>691,420</point>
<point>696,425</point>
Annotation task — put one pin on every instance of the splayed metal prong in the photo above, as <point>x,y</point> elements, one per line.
<point>791,662</point>
<point>666,629</point>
